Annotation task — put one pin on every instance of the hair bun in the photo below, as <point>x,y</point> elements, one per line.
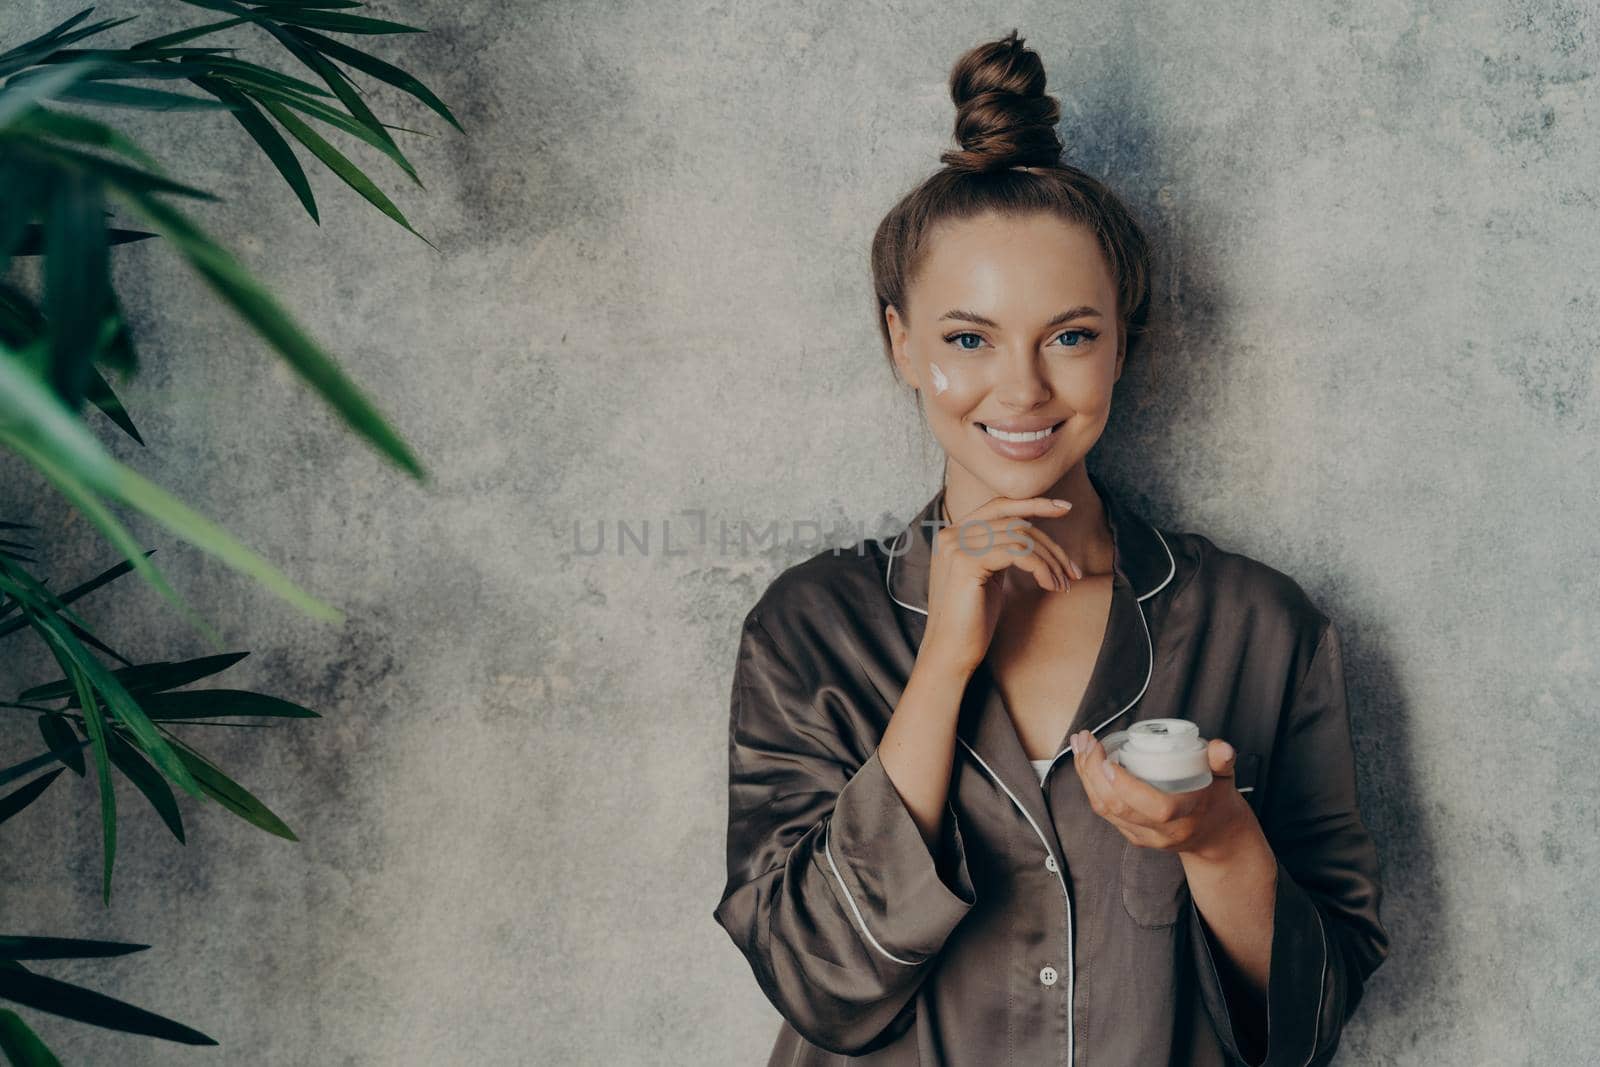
<point>1003,116</point>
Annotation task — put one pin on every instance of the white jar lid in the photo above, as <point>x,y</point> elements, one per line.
<point>1164,735</point>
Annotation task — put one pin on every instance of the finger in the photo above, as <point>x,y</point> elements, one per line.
<point>1104,801</point>
<point>1033,543</point>
<point>1130,797</point>
<point>1047,544</point>
<point>992,523</point>
<point>1101,797</point>
<point>1222,757</point>
<point>1007,549</point>
<point>997,509</point>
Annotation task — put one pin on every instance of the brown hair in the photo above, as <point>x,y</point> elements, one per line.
<point>1005,122</point>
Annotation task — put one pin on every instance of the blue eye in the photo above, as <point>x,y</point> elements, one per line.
<point>1081,337</point>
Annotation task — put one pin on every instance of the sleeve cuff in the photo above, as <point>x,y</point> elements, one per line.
<point>1296,985</point>
<point>890,882</point>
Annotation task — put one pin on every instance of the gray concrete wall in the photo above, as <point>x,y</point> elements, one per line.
<point>1375,371</point>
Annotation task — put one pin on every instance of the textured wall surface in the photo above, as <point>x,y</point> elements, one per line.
<point>1374,370</point>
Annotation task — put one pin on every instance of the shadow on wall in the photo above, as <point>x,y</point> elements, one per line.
<point>1145,449</point>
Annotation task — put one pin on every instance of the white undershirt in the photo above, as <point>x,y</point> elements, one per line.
<point>1041,767</point>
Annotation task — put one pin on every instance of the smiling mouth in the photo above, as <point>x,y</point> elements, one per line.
<point>1020,438</point>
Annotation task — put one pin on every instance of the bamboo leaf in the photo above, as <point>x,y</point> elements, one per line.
<point>30,52</point>
<point>120,355</point>
<point>90,678</point>
<point>307,3</point>
<point>27,191</point>
<point>303,15</point>
<point>118,64</point>
<point>32,592</point>
<point>85,1005</point>
<point>48,38</point>
<point>338,120</point>
<point>217,703</point>
<point>70,127</point>
<point>33,239</point>
<point>27,767</point>
<point>110,171</point>
<point>376,67</point>
<point>230,794</point>
<point>15,100</point>
<point>74,460</point>
<point>263,312</point>
<point>271,141</point>
<point>137,96</point>
<point>96,728</point>
<point>141,54</point>
<point>340,85</point>
<point>150,783</point>
<point>337,23</point>
<point>156,44</point>
<point>21,1045</point>
<point>145,677</point>
<point>18,799</point>
<point>21,947</point>
<point>346,170</point>
<point>108,575</point>
<point>238,70</point>
<point>99,391</point>
<point>63,741</point>
<point>49,462</point>
<point>77,288</point>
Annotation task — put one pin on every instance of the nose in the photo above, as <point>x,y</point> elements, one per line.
<point>1022,384</point>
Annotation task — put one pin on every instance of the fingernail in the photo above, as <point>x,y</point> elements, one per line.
<point>1110,774</point>
<point>1077,571</point>
<point>1227,750</point>
<point>1062,503</point>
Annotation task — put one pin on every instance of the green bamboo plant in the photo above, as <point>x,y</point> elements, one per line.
<point>62,174</point>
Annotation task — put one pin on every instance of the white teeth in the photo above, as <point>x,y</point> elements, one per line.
<point>1034,436</point>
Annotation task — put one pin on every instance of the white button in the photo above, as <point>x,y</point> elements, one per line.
<point>1048,976</point>
<point>1049,863</point>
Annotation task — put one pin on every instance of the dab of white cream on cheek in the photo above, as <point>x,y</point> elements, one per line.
<point>940,382</point>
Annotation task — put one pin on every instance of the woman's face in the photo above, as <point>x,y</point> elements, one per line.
<point>1012,325</point>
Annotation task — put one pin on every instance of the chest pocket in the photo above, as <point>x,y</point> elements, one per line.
<point>1153,883</point>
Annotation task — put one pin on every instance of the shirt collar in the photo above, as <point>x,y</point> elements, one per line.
<point>1143,564</point>
<point>1139,553</point>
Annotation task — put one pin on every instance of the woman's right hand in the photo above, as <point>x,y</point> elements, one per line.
<point>966,578</point>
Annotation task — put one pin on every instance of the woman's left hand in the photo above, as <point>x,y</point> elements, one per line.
<point>1206,822</point>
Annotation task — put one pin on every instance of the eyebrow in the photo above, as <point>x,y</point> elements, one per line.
<point>1079,312</point>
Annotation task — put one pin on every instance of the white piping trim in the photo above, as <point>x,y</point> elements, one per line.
<point>1172,568</point>
<point>1059,866</point>
<point>862,923</point>
<point>1316,1027</point>
<point>1172,565</point>
<point>889,570</point>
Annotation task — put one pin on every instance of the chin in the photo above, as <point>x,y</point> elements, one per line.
<point>1019,484</point>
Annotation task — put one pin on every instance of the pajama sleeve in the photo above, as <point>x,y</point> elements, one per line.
<point>1326,935</point>
<point>832,895</point>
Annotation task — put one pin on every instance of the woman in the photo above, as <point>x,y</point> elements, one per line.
<point>913,874</point>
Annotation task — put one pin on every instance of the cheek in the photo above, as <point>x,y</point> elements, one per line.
<point>954,389</point>
<point>1086,388</point>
